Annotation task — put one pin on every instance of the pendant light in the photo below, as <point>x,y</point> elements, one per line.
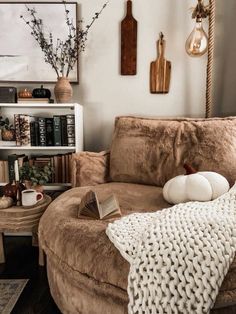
<point>197,42</point>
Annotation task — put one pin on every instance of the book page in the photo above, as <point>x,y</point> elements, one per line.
<point>109,206</point>
<point>89,206</point>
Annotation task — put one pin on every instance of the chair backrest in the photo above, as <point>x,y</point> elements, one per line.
<point>151,151</point>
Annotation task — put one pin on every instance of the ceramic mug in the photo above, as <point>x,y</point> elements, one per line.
<point>31,197</point>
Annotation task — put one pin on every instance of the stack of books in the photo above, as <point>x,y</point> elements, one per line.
<point>39,131</point>
<point>35,100</point>
<point>61,164</point>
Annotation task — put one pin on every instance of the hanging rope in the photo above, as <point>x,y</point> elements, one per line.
<point>209,80</point>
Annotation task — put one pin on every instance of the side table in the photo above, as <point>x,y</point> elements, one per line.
<point>17,219</point>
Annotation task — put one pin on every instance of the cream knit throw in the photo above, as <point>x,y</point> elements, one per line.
<point>179,256</point>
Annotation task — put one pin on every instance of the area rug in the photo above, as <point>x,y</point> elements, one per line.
<point>10,291</point>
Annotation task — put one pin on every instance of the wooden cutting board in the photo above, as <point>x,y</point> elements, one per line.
<point>129,29</point>
<point>160,70</point>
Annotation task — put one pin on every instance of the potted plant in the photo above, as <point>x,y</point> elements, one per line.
<point>35,177</point>
<point>7,130</point>
<point>62,55</point>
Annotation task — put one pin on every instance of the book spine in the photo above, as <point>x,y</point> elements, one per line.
<point>70,118</point>
<point>63,167</point>
<point>6,170</point>
<point>11,166</point>
<point>25,130</point>
<point>70,168</point>
<point>57,130</point>
<point>36,125</point>
<point>64,140</point>
<point>59,160</point>
<point>2,172</point>
<point>56,174</point>
<point>53,167</point>
<point>49,132</point>
<point>32,133</point>
<point>42,131</point>
<point>17,129</point>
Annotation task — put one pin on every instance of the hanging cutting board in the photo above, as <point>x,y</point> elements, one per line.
<point>129,28</point>
<point>160,70</point>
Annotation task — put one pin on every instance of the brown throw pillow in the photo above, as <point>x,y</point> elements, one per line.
<point>152,151</point>
<point>90,168</point>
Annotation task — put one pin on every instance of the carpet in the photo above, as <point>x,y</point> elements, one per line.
<point>10,291</point>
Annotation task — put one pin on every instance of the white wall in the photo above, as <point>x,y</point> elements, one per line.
<point>106,94</point>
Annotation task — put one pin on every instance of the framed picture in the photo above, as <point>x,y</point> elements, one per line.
<point>21,58</point>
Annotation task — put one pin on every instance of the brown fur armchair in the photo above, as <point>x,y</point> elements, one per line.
<point>86,272</point>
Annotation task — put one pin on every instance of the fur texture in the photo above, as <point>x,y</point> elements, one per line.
<point>86,272</point>
<point>152,151</point>
<point>90,168</point>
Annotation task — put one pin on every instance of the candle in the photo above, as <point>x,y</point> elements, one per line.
<point>17,171</point>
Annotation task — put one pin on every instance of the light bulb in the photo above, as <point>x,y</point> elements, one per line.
<point>197,42</point>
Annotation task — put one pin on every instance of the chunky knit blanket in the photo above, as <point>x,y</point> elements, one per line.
<point>178,256</point>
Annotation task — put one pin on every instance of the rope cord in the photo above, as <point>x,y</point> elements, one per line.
<point>209,80</point>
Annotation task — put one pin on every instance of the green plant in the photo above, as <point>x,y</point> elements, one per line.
<point>37,175</point>
<point>5,124</point>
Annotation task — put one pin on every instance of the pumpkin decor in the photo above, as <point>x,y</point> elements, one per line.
<point>10,190</point>
<point>25,93</point>
<point>5,202</point>
<point>195,186</point>
<point>41,92</point>
<point>8,135</point>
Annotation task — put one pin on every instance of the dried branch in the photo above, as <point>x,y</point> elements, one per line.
<point>61,55</point>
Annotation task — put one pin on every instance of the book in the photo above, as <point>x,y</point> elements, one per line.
<point>4,176</point>
<point>70,120</point>
<point>90,207</point>
<point>64,140</point>
<point>8,143</point>
<point>11,165</point>
<point>42,131</point>
<point>17,129</point>
<point>2,171</point>
<point>56,174</point>
<point>32,133</point>
<point>6,171</point>
<point>33,100</point>
<point>25,130</point>
<point>57,130</point>
<point>49,132</point>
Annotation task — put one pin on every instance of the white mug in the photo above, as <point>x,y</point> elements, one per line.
<point>31,197</point>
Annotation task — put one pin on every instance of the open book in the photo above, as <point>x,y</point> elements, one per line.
<point>90,207</point>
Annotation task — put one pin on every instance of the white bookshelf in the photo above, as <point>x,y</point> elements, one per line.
<point>44,110</point>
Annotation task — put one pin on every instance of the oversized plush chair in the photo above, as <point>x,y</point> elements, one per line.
<point>86,272</point>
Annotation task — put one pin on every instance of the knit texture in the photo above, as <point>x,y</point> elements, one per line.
<point>179,256</point>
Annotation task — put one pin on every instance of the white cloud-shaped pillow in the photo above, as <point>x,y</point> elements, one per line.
<point>199,186</point>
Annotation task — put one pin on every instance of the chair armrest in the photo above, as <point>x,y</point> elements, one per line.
<point>90,168</point>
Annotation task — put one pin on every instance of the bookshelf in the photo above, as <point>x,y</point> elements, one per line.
<point>44,110</point>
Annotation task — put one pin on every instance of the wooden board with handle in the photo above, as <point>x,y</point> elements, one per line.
<point>160,70</point>
<point>129,29</point>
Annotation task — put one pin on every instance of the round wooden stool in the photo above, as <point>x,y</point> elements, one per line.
<point>17,219</point>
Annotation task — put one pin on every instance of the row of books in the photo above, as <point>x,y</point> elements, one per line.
<point>61,164</point>
<point>38,131</point>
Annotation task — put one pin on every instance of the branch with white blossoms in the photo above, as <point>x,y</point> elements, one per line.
<point>62,55</point>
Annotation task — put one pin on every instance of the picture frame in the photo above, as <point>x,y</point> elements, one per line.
<point>21,58</point>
